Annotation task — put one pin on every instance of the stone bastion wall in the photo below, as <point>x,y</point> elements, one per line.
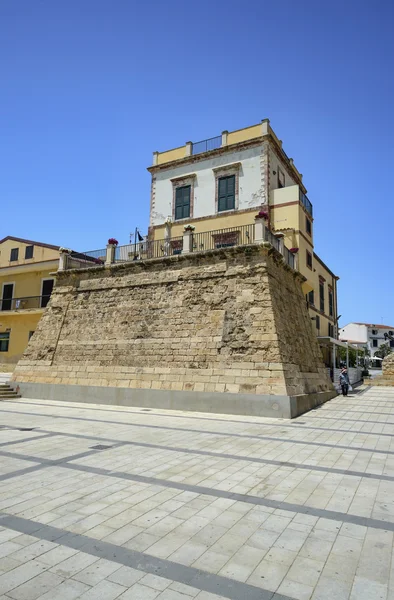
<point>222,331</point>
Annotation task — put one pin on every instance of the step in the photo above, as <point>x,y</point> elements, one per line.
<point>10,397</point>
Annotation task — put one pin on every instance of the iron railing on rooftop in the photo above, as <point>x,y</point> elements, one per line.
<point>149,249</point>
<point>85,260</point>
<point>223,238</point>
<point>196,242</point>
<point>25,303</point>
<point>306,203</point>
<point>100,254</point>
<point>207,145</point>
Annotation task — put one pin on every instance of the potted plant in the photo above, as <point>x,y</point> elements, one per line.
<point>113,242</point>
<point>189,228</point>
<point>262,214</point>
<point>293,250</point>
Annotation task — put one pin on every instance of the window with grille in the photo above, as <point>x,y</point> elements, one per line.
<point>311,298</point>
<point>29,251</point>
<point>182,202</point>
<point>308,259</point>
<point>226,193</point>
<point>308,225</point>
<point>317,322</point>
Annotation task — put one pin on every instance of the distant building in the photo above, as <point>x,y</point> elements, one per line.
<point>367,335</point>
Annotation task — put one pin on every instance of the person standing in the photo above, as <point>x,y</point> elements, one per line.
<point>344,381</point>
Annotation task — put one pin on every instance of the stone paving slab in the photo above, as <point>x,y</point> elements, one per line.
<point>113,502</point>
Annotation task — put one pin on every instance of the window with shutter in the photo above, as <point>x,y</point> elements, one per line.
<point>321,294</point>
<point>226,193</point>
<point>182,202</point>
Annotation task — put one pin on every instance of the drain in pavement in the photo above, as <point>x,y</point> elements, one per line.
<point>146,409</point>
<point>100,447</point>
<point>26,428</point>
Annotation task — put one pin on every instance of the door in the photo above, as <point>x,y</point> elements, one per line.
<point>47,287</point>
<point>8,292</point>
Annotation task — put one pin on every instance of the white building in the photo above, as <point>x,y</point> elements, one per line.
<point>367,334</point>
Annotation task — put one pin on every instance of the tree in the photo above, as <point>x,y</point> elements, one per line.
<point>383,351</point>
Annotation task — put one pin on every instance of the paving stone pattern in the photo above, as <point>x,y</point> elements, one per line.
<point>100,502</point>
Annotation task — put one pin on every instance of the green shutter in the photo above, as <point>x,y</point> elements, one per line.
<point>182,202</point>
<point>226,193</point>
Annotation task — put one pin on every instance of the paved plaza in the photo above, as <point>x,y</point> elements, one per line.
<point>104,503</point>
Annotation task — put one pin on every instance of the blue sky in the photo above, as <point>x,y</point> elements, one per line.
<point>89,88</point>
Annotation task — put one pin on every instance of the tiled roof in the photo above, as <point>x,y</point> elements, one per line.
<point>376,325</point>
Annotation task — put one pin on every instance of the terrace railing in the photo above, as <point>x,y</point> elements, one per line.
<point>223,238</point>
<point>191,241</point>
<point>207,145</point>
<point>306,203</point>
<point>25,303</point>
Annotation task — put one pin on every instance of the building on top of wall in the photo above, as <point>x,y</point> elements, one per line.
<point>219,184</point>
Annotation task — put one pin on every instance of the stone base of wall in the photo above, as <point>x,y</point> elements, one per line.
<point>276,406</point>
<point>380,380</point>
<point>387,378</point>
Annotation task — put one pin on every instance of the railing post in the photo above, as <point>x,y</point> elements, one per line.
<point>110,256</point>
<point>259,231</point>
<point>155,158</point>
<point>224,138</point>
<point>64,253</point>
<point>189,149</point>
<point>187,242</point>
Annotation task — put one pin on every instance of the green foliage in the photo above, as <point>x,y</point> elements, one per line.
<point>352,356</point>
<point>383,351</point>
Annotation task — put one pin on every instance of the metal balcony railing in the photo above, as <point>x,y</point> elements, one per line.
<point>26,303</point>
<point>216,239</point>
<point>207,145</point>
<point>223,238</point>
<point>86,260</point>
<point>306,203</point>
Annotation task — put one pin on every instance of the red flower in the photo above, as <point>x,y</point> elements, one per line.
<point>113,241</point>
<point>293,250</point>
<point>262,215</point>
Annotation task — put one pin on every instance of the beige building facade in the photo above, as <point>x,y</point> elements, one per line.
<point>26,284</point>
<point>218,186</point>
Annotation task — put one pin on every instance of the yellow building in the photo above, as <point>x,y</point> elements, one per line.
<point>219,185</point>
<point>26,282</point>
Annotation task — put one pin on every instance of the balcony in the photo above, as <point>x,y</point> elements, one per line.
<point>307,204</point>
<point>28,303</point>
<point>290,195</point>
<point>192,242</point>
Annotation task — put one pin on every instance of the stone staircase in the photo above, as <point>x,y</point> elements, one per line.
<point>7,392</point>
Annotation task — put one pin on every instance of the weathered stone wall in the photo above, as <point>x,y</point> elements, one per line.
<point>231,320</point>
<point>387,377</point>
